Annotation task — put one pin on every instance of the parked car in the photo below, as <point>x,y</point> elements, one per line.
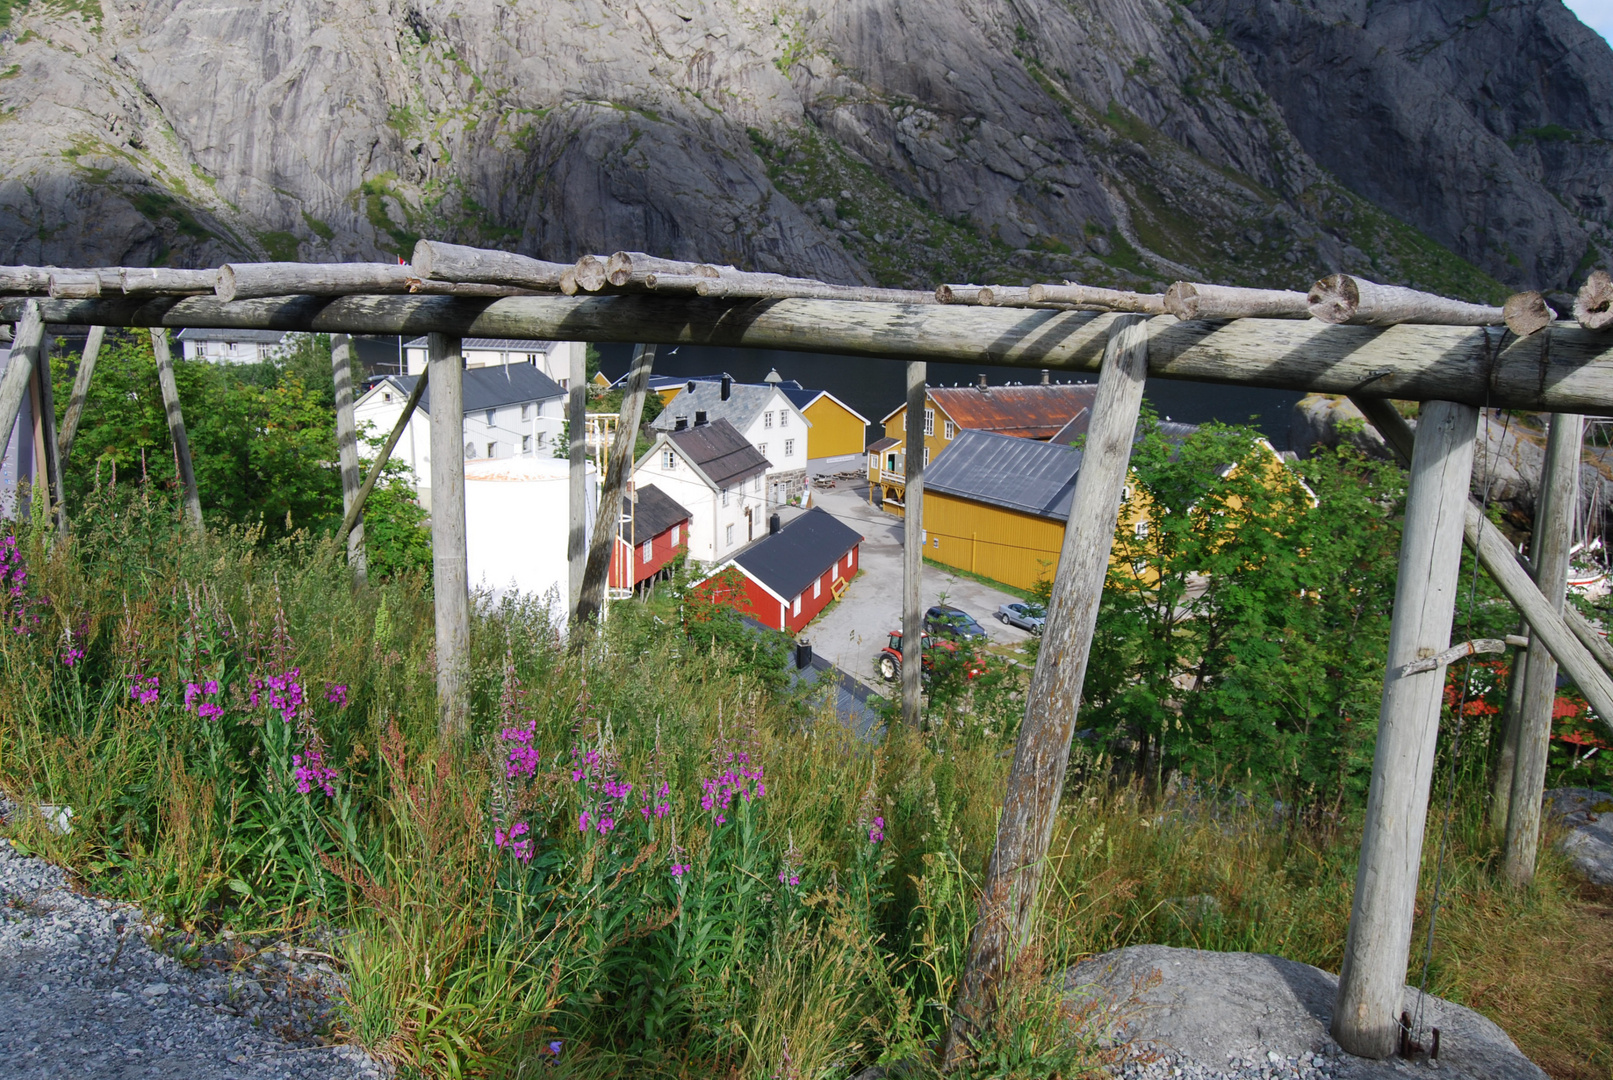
<point>889,660</point>
<point>1024,614</point>
<point>953,623</point>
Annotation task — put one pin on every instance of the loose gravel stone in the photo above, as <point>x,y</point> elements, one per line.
<point>83,994</point>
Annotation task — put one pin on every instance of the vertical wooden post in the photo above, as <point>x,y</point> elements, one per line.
<point>1365,1018</point>
<point>1554,528</point>
<point>1053,699</point>
<point>577,421</point>
<point>450,569</point>
<point>176,425</point>
<point>607,519</point>
<point>341,365</point>
<point>25,345</point>
<point>51,459</point>
<point>913,549</point>
<point>1506,761</point>
<point>81,390</point>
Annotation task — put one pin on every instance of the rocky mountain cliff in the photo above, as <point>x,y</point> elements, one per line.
<point>1466,147</point>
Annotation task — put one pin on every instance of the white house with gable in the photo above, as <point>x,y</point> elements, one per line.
<point>762,415</point>
<point>553,358</point>
<point>715,474</point>
<point>229,346</point>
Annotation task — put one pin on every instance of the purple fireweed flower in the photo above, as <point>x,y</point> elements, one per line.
<point>517,840</point>
<point>336,694</point>
<point>523,756</point>
<point>745,783</point>
<point>679,869</point>
<point>72,656</point>
<point>207,710</point>
<point>877,832</point>
<point>144,690</point>
<point>282,692</point>
<point>597,773</point>
<point>582,822</point>
<point>311,772</point>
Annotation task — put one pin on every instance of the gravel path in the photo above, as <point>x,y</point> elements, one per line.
<point>83,994</point>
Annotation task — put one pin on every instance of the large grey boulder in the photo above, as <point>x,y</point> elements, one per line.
<point>1588,843</point>
<point>1221,1010</point>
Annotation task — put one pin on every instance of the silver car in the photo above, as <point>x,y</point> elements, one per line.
<point>1024,614</point>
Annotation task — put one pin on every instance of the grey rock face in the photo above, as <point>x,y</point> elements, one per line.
<point>855,140</point>
<point>1243,1014</point>
<point>1588,814</point>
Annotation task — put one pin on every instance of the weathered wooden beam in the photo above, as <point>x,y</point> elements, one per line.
<point>341,364</point>
<point>354,512</point>
<point>1345,298</point>
<point>1562,369</point>
<point>589,274</point>
<point>1554,521</point>
<point>436,261</point>
<point>1113,299</point>
<point>1507,759</point>
<point>608,515</point>
<point>26,342</point>
<point>957,294</point>
<point>56,492</point>
<point>176,426</point>
<point>81,390</point>
<point>1512,575</point>
<point>1593,307</point>
<point>248,281</point>
<point>25,280</point>
<point>82,284</point>
<point>1365,1017</point>
<point>1053,699</point>
<point>577,479</point>
<point>1526,313</point>
<point>777,287</point>
<point>913,546</point>
<point>1195,300</point>
<point>450,586</point>
<point>169,282</point>
<point>626,268</point>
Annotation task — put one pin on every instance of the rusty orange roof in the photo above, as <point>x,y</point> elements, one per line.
<point>1029,412</point>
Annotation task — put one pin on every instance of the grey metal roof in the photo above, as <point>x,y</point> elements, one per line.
<point>655,514</point>
<point>721,452</point>
<point>1027,475</point>
<point>745,402</point>
<point>492,387</point>
<point>799,553</point>
<point>256,337</point>
<point>499,344</point>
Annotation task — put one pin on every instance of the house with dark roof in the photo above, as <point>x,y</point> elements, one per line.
<point>654,528</point>
<point>513,411</point>
<point>553,358</point>
<point>835,431</point>
<point>796,570</point>
<point>762,414</point>
<point>713,471</point>
<point>229,346</point>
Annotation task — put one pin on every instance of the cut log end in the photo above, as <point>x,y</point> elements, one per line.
<point>1593,307</point>
<point>1526,313</point>
<point>1334,299</point>
<point>225,289</point>
<point>590,273</point>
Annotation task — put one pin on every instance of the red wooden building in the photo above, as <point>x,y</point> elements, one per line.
<point>794,571</point>
<point>655,527</point>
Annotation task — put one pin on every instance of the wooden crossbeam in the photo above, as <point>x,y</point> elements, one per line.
<point>1562,369</point>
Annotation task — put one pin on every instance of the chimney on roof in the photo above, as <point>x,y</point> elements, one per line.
<point>1047,377</point>
<point>689,385</point>
<point>699,418</point>
<point>982,387</point>
<point>773,377</point>
<point>727,386</point>
<point>803,654</point>
<point>773,525</point>
<point>680,424</point>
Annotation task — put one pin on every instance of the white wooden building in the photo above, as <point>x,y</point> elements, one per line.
<point>712,471</point>
<point>230,346</point>
<point>553,358</point>
<point>762,414</point>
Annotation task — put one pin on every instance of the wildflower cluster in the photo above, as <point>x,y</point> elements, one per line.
<point>738,778</point>
<point>336,694</point>
<point>311,771</point>
<point>144,689</point>
<point>598,773</point>
<point>656,806</point>
<point>790,873</point>
<point>72,654</point>
<point>13,583</point>
<point>523,755</point>
<point>876,831</point>
<point>280,692</point>
<point>207,710</point>
<point>518,839</point>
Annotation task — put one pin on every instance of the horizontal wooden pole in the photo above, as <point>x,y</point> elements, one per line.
<point>1561,369</point>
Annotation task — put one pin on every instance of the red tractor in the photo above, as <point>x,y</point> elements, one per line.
<point>889,659</point>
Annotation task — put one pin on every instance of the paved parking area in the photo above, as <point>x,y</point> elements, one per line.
<point>851,633</point>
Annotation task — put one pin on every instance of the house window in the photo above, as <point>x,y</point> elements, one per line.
<point>1142,530</point>
<point>675,529</point>
<point>795,606</point>
<point>951,429</point>
<point>1125,494</point>
<point>526,411</point>
<point>644,549</point>
<point>926,455</point>
<point>789,447</point>
<point>492,449</point>
<point>761,448</point>
<point>767,419</point>
<point>526,444</point>
<point>817,588</point>
<point>386,396</point>
<point>728,536</point>
<point>851,557</point>
<point>668,460</point>
<point>929,421</point>
<point>725,496</point>
<point>935,541</point>
<point>783,418</point>
<point>873,462</point>
<point>491,413</point>
<point>1139,567</point>
<point>756,483</point>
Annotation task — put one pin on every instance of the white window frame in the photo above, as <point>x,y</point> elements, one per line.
<point>784,418</point>
<point>926,455</point>
<point>669,460</point>
<point>756,483</point>
<point>817,588</point>
<point>725,496</point>
<point>789,447</point>
<point>728,536</point>
<point>1141,529</point>
<point>492,449</point>
<point>492,417</point>
<point>644,549</point>
<point>950,430</point>
<point>767,420</point>
<point>929,421</point>
<point>795,608</point>
<point>761,448</point>
<point>526,444</point>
